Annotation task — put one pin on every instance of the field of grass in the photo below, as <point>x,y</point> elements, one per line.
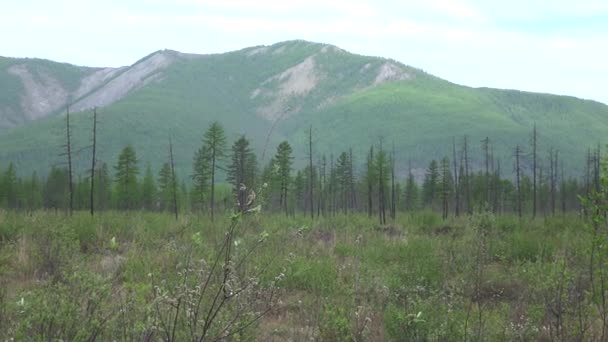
<point>123,276</point>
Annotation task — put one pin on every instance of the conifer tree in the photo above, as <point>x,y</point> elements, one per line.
<point>283,160</point>
<point>214,142</point>
<point>242,169</point>
<point>126,179</point>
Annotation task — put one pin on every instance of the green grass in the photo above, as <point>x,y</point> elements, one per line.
<point>345,277</point>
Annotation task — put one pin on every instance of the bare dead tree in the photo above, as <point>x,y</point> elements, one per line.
<point>534,168</point>
<point>486,151</point>
<point>351,171</point>
<point>173,179</point>
<point>68,154</point>
<point>456,181</point>
<point>92,190</point>
<point>311,174</point>
<point>467,180</point>
<point>518,153</point>
<point>393,196</point>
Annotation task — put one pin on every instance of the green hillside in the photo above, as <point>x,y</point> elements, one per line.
<point>350,100</point>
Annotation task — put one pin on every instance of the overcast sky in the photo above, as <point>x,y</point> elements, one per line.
<point>552,46</point>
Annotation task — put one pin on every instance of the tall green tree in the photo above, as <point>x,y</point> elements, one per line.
<point>284,161</point>
<point>126,179</point>
<point>214,142</point>
<point>242,169</point>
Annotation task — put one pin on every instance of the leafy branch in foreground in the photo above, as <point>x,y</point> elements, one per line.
<point>218,298</point>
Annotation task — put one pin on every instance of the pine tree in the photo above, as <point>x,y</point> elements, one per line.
<point>284,160</point>
<point>242,169</point>
<point>126,179</point>
<point>214,142</point>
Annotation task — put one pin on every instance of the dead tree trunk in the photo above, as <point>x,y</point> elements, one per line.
<point>68,154</point>
<point>173,180</point>
<point>92,190</point>
<point>311,178</point>
<point>518,178</point>
<point>456,180</point>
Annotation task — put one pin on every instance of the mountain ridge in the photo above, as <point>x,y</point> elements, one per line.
<point>283,88</point>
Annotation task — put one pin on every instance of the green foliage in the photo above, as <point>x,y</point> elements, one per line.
<point>127,189</point>
<point>335,325</point>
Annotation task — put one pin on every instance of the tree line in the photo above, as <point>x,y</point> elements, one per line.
<point>327,185</point>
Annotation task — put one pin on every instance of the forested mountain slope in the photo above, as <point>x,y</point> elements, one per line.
<point>276,93</point>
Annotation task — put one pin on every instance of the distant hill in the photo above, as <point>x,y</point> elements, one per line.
<point>276,92</point>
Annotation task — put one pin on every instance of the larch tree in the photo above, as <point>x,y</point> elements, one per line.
<point>214,141</point>
<point>242,170</point>
<point>284,160</point>
<point>126,178</point>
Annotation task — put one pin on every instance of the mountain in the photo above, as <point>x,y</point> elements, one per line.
<point>274,93</point>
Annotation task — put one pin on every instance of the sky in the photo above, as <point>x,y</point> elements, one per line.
<point>549,46</point>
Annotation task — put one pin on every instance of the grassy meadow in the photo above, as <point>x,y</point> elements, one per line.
<point>138,276</point>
